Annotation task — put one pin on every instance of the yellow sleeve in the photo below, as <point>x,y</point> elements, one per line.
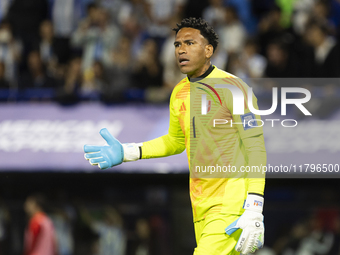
<point>252,138</point>
<point>257,156</point>
<point>169,144</point>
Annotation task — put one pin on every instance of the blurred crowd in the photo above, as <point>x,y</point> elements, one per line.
<point>64,227</point>
<point>122,50</point>
<point>62,223</point>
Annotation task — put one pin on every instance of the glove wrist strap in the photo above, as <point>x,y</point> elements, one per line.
<point>131,151</point>
<point>254,203</point>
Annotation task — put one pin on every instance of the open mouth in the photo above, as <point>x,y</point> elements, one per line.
<point>183,61</point>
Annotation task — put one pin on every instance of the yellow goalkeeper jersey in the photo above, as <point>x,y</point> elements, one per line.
<point>212,136</point>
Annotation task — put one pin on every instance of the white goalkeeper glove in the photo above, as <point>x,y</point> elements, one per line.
<point>251,222</point>
<point>112,154</point>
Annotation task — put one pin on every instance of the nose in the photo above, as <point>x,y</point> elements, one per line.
<point>182,50</point>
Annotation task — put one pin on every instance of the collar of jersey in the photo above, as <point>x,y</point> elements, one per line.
<point>210,69</point>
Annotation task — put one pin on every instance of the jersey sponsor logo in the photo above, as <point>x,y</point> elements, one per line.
<point>249,120</point>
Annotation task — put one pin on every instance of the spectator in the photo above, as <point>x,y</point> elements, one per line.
<point>320,11</point>
<point>253,64</point>
<point>148,70</point>
<point>65,15</point>
<point>220,58</point>
<point>96,37</point>
<point>72,82</point>
<point>54,53</point>
<point>86,240</point>
<point>36,76</point>
<point>301,15</point>
<point>194,8</point>
<point>10,50</point>
<point>287,8</point>
<point>233,34</point>
<point>214,14</point>
<point>63,229</point>
<point>4,6</point>
<point>134,22</point>
<point>112,238</point>
<point>4,83</point>
<point>244,11</point>
<point>122,9</point>
<point>39,235</point>
<point>46,47</point>
<point>132,13</point>
<point>326,51</point>
<point>4,227</point>
<point>63,217</point>
<point>270,29</point>
<point>119,73</point>
<point>279,64</point>
<point>143,243</point>
<point>261,8</point>
<point>310,237</point>
<point>94,82</point>
<point>160,14</point>
<point>25,17</point>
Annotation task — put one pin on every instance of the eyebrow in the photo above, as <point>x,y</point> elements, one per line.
<point>189,40</point>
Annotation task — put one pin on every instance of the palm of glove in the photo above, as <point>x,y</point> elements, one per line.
<point>105,156</point>
<point>252,237</point>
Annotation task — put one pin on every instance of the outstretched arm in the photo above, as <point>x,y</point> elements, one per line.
<point>114,153</point>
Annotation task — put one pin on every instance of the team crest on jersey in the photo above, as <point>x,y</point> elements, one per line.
<point>249,120</point>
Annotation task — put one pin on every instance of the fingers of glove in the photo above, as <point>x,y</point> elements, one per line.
<point>242,242</point>
<point>259,244</point>
<point>91,148</point>
<point>96,161</point>
<point>104,165</point>
<point>108,137</point>
<point>260,240</point>
<point>251,243</point>
<point>90,155</point>
<point>232,227</point>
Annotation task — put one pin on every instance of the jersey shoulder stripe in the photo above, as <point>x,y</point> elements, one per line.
<point>182,89</point>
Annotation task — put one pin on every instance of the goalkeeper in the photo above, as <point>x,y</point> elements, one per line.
<point>227,212</point>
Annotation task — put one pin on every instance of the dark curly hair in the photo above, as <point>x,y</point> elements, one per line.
<point>200,24</point>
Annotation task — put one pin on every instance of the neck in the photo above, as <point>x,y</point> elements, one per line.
<point>320,42</point>
<point>34,212</point>
<point>202,70</point>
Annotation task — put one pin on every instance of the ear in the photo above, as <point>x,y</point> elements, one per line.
<point>209,50</point>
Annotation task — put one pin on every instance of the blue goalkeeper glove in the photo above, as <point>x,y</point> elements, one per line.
<point>112,154</point>
<point>251,222</point>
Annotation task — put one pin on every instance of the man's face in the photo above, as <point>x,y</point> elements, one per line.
<point>29,206</point>
<point>192,52</point>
